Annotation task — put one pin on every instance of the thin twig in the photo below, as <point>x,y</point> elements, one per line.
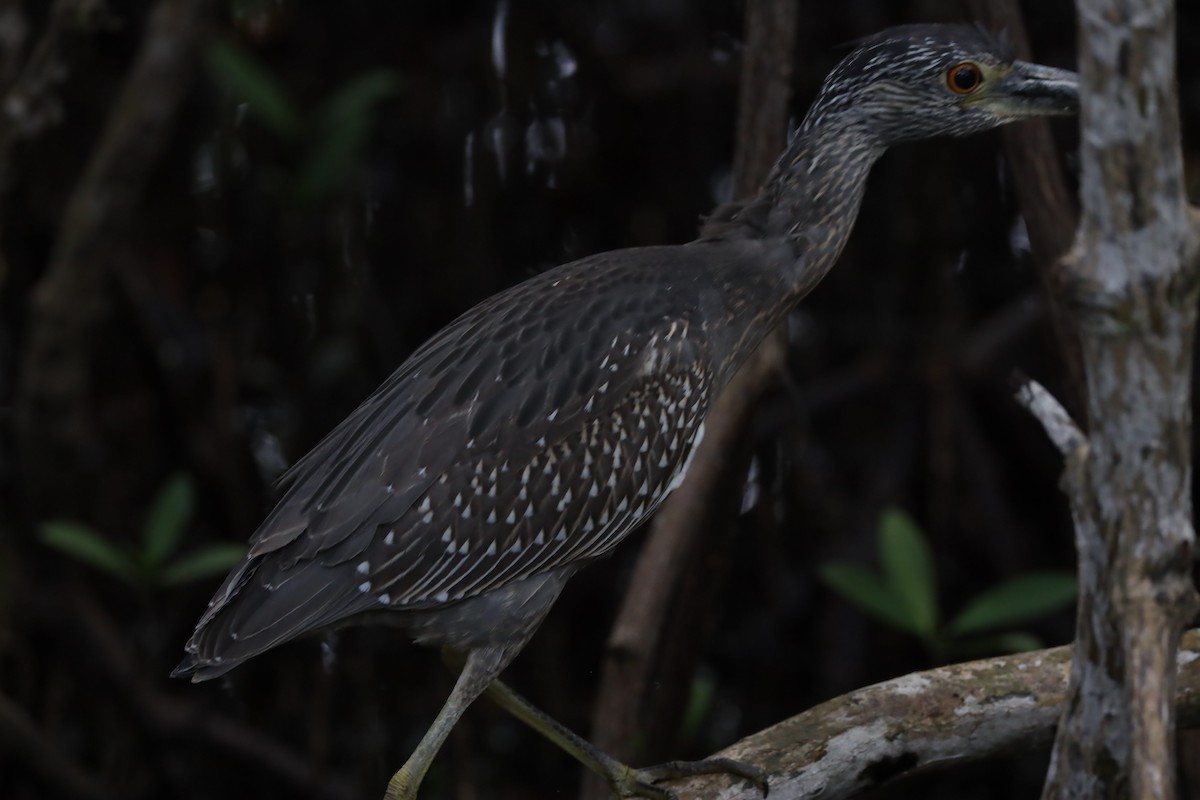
<point>1059,426</point>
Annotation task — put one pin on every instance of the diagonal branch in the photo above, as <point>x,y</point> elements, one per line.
<point>1047,208</point>
<point>1059,426</point>
<point>664,591</point>
<point>69,302</point>
<point>30,103</point>
<point>954,715</point>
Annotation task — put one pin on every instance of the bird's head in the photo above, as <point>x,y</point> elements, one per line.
<point>919,81</point>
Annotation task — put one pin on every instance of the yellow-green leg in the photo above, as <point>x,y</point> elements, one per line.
<point>480,668</point>
<point>625,781</point>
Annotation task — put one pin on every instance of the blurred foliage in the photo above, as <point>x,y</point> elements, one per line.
<point>151,564</point>
<point>344,179</point>
<point>904,596</point>
<point>327,139</point>
<point>699,706</point>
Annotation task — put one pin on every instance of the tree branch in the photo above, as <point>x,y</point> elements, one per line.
<point>949,716</point>
<point>1047,208</point>
<point>656,622</point>
<point>29,100</point>
<point>1059,426</point>
<point>1131,496</point>
<point>69,302</point>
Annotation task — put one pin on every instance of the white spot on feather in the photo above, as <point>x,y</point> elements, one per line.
<point>687,463</point>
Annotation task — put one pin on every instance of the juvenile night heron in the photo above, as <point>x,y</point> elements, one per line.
<point>531,435</point>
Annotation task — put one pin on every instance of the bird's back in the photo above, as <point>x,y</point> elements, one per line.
<point>532,433</point>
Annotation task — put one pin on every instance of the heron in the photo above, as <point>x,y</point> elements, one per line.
<point>534,433</point>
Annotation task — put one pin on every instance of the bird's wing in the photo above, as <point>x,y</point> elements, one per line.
<point>533,432</point>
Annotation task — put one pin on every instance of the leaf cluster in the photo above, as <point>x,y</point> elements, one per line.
<point>153,562</point>
<point>903,596</point>
<point>327,138</point>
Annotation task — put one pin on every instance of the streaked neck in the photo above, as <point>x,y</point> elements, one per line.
<point>809,202</point>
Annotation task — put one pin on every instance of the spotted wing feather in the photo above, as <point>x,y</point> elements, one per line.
<point>533,432</point>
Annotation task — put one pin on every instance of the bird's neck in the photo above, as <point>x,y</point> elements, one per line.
<point>814,193</point>
<point>807,206</point>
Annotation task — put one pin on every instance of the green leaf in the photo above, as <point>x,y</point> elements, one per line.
<point>205,562</point>
<point>1016,601</point>
<point>89,546</point>
<point>329,155</point>
<point>167,520</point>
<point>249,83</point>
<point>345,122</point>
<point>699,705</point>
<point>864,589</point>
<point>356,98</point>
<point>908,569</point>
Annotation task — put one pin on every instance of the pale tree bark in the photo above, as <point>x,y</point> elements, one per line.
<point>1132,278</point>
<point>1132,281</point>
<point>949,716</point>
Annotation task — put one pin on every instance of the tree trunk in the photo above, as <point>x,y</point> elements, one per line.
<point>1132,275</point>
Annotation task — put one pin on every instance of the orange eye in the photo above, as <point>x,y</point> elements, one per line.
<point>964,78</point>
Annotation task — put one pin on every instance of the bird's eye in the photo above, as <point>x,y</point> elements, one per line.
<point>964,78</point>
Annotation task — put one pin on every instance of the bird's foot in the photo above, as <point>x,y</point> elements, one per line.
<point>629,781</point>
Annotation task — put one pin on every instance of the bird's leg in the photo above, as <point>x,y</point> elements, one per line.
<point>481,667</point>
<point>626,781</point>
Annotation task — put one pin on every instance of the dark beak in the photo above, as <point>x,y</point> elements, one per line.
<point>1030,90</point>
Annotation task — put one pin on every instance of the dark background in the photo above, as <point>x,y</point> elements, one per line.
<point>245,318</point>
